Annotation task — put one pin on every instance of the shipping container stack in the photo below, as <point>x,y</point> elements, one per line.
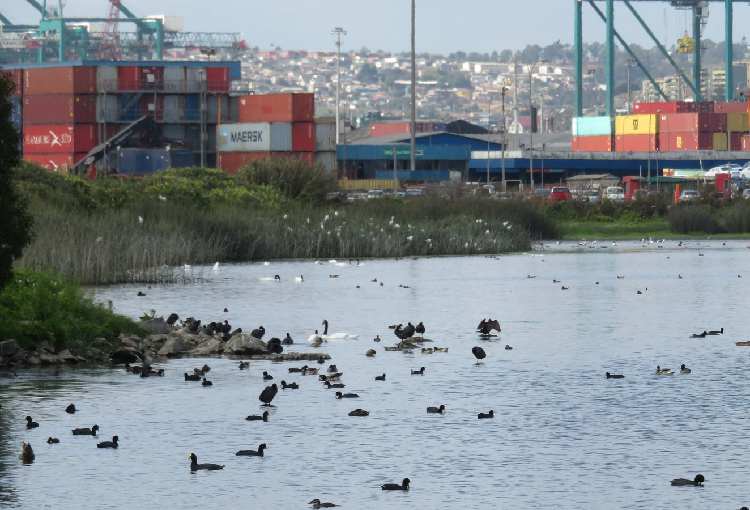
<point>59,115</point>
<point>187,101</point>
<point>270,126</point>
<point>592,134</point>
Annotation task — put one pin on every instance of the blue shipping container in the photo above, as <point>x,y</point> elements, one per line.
<point>17,115</point>
<point>592,126</point>
<point>148,161</point>
<point>192,107</point>
<point>129,107</point>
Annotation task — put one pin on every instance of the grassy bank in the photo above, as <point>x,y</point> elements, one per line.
<point>40,306</point>
<point>142,230</point>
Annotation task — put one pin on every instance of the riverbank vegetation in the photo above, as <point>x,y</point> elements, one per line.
<point>40,306</point>
<point>150,229</point>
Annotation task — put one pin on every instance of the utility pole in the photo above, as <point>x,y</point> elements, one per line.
<point>505,128</point>
<point>489,117</point>
<point>413,86</point>
<point>515,95</point>
<point>338,32</point>
<point>531,131</point>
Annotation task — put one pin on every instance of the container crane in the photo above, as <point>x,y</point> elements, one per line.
<point>699,12</point>
<point>110,48</point>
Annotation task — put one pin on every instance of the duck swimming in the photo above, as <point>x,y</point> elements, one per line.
<point>380,377</point>
<point>194,466</point>
<point>370,353</point>
<point>329,385</point>
<point>108,444</point>
<point>193,377</point>
<point>684,369</point>
<point>484,416</point>
<point>244,365</point>
<point>71,409</point>
<point>31,424</point>
<point>663,371</point>
<point>396,487</point>
<point>614,376</point>
<point>346,395</point>
<point>52,440</point>
<point>359,412</point>
<point>252,453</point>
<point>27,453</point>
<point>418,372</point>
<point>264,417</point>
<point>719,332</point>
<point>267,376</point>
<point>293,386</point>
<point>436,410</point>
<point>681,482</point>
<point>317,504</point>
<point>206,382</point>
<point>86,431</point>
<point>699,335</point>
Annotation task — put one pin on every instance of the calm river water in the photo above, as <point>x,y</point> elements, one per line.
<point>563,435</point>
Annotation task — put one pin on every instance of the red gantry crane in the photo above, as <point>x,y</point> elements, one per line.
<point>110,47</point>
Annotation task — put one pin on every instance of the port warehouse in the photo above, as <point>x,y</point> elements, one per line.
<point>65,110</point>
<point>440,153</point>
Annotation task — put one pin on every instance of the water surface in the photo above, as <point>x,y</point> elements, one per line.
<point>563,436</point>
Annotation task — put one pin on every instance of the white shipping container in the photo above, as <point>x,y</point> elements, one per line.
<point>174,79</point>
<point>325,137</point>
<point>106,79</point>
<point>327,159</point>
<point>174,108</point>
<point>195,78</point>
<point>255,137</point>
<point>107,108</point>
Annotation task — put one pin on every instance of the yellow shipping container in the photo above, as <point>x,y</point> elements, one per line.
<point>720,140</point>
<point>738,123</point>
<point>637,125</point>
<point>366,184</point>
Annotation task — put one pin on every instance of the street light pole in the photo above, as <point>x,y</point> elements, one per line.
<point>338,32</point>
<point>413,86</point>
<point>631,62</point>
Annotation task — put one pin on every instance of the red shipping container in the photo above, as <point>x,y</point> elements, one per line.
<point>154,109</point>
<point>389,128</point>
<point>59,109</point>
<point>636,143</point>
<point>664,107</point>
<point>303,137</point>
<point>41,81</point>
<point>692,122</point>
<point>128,78</point>
<point>745,143</point>
<point>57,162</point>
<point>685,141</point>
<point>217,79</point>
<point>277,108</point>
<point>735,141</point>
<point>704,107</point>
<point>231,162</point>
<point>152,78</point>
<point>58,139</point>
<point>733,107</point>
<point>592,143</point>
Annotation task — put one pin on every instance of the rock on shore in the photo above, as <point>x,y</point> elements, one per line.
<point>134,349</point>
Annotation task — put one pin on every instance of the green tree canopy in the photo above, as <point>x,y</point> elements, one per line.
<point>15,222</point>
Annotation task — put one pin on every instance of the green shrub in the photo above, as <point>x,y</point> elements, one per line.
<point>38,306</point>
<point>689,218</point>
<point>294,178</point>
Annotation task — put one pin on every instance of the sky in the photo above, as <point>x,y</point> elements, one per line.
<point>443,26</point>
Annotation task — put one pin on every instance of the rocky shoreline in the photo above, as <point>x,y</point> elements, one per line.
<point>162,343</point>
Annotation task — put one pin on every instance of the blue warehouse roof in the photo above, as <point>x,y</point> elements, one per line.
<point>423,152</point>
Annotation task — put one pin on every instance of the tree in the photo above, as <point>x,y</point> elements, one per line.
<point>16,224</point>
<point>368,74</point>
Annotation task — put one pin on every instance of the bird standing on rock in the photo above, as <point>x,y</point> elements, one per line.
<point>258,333</point>
<point>420,329</point>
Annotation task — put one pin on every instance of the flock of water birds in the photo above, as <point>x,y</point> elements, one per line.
<point>331,378</point>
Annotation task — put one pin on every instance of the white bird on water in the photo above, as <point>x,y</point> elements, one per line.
<point>299,279</point>
<point>140,220</point>
<point>216,266</point>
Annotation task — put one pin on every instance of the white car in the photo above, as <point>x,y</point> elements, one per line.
<point>689,195</point>
<point>746,193</point>
<point>615,194</point>
<point>591,196</point>
<point>730,168</point>
<point>745,172</point>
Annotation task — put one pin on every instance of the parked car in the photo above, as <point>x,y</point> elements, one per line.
<point>615,194</point>
<point>745,172</point>
<point>591,196</point>
<point>560,194</point>
<point>746,193</point>
<point>414,192</point>
<point>375,193</point>
<point>689,195</point>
